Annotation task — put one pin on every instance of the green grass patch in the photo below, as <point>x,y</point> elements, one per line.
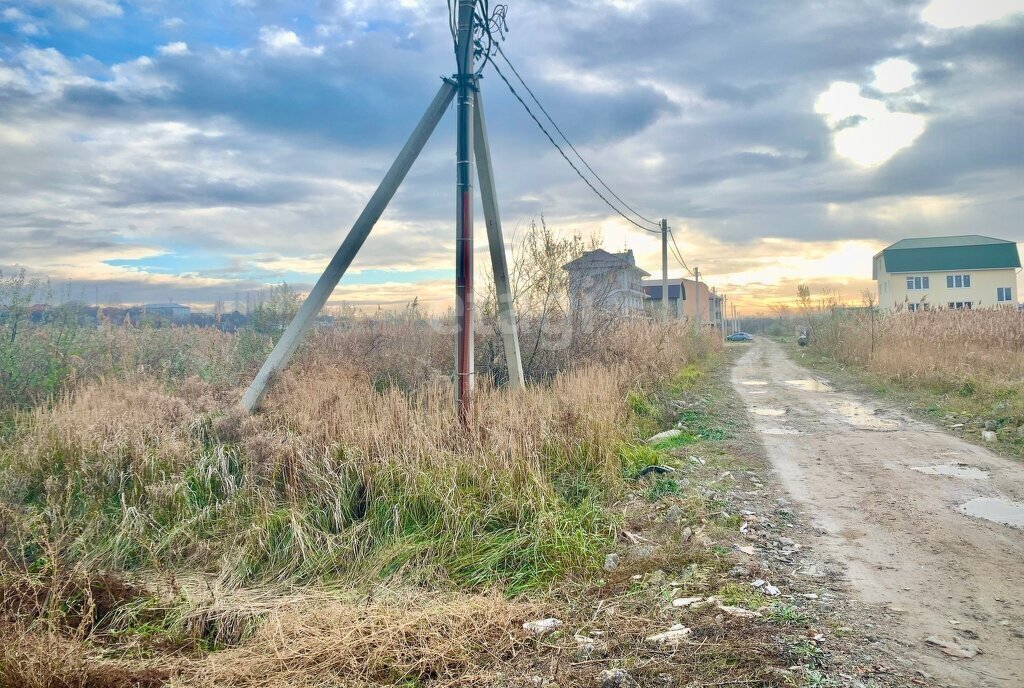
<point>662,487</point>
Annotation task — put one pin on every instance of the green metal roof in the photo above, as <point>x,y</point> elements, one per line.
<point>939,254</point>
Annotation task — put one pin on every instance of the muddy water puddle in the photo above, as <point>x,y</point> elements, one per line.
<point>809,385</point>
<point>993,509</point>
<point>767,411</point>
<point>754,383</point>
<point>862,417</point>
<point>953,470</point>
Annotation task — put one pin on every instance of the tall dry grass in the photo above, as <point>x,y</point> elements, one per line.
<point>967,354</point>
<point>351,472</point>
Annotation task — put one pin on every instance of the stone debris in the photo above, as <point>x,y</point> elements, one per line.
<point>737,611</point>
<point>611,561</point>
<point>746,549</point>
<point>989,436</point>
<point>766,587</point>
<point>672,636</point>
<point>542,626</point>
<point>698,603</point>
<point>954,647</point>
<point>614,678</point>
<point>675,514</point>
<point>667,435</point>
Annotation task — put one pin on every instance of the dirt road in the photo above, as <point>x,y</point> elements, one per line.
<point>889,492</point>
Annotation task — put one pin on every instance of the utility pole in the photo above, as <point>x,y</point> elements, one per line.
<point>471,145</point>
<point>725,315</point>
<point>466,79</point>
<point>664,269</point>
<point>696,277</point>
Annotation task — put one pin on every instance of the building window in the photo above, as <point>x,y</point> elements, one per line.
<point>916,307</point>
<point>960,305</point>
<point>958,281</point>
<point>1004,294</point>
<point>914,283</point>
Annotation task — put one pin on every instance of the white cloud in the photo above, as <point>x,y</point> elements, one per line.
<point>864,130</point>
<point>954,14</point>
<point>174,23</point>
<point>278,40</point>
<point>24,23</point>
<point>894,75</point>
<point>176,48</point>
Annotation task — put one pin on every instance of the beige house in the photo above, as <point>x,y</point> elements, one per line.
<point>685,298</point>
<point>956,272</point>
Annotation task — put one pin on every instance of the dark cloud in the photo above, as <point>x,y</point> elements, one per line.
<point>702,111</point>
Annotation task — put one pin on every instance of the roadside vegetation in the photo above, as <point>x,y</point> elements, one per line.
<point>354,532</point>
<point>962,368</point>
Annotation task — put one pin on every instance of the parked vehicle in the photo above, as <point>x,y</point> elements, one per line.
<point>740,337</point>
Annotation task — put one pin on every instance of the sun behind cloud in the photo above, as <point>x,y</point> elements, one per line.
<point>865,130</point>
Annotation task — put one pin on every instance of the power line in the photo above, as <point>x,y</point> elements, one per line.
<point>562,152</point>
<point>567,141</point>
<point>679,254</point>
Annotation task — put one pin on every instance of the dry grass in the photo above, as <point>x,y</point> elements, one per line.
<point>357,472</point>
<point>460,641</point>
<point>340,476</point>
<point>967,363</point>
<point>931,346</point>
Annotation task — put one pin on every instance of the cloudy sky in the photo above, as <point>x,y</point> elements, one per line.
<point>153,150</point>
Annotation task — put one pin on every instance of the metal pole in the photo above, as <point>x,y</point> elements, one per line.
<point>664,269</point>
<point>303,320</point>
<point>725,315</point>
<point>464,212</point>
<point>496,243</point>
<point>696,277</point>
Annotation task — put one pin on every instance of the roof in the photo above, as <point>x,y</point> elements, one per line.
<point>653,291</point>
<point>938,254</point>
<point>599,258</point>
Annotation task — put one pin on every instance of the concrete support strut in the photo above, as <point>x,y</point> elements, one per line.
<point>496,243</point>
<point>311,307</point>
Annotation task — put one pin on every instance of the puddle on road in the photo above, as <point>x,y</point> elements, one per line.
<point>809,385</point>
<point>993,509</point>
<point>953,470</point>
<point>757,391</point>
<point>753,383</point>
<point>780,431</point>
<point>764,411</point>
<point>863,417</point>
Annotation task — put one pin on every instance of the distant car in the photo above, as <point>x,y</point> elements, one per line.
<point>740,337</point>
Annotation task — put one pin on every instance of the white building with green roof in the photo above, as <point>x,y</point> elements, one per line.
<point>957,272</point>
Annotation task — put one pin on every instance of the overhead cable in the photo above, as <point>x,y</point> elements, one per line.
<point>533,96</point>
<point>562,152</point>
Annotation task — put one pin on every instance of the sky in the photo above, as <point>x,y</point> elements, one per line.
<point>185,151</point>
